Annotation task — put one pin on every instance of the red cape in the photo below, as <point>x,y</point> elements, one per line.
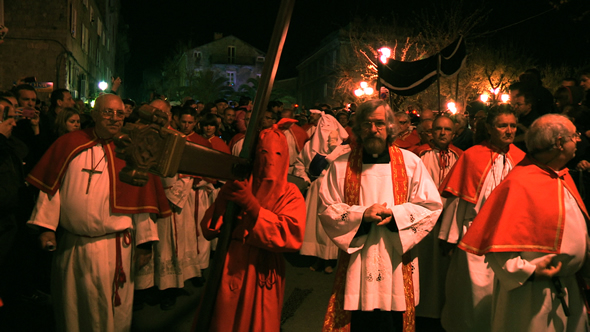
<point>198,139</point>
<point>466,177</point>
<point>422,149</point>
<point>219,145</point>
<point>300,136</point>
<point>237,137</point>
<point>517,217</point>
<point>408,140</point>
<point>124,198</point>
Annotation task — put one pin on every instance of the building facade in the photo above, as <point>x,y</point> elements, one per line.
<point>68,43</point>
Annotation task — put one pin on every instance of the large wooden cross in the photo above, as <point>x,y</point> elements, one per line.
<point>149,147</point>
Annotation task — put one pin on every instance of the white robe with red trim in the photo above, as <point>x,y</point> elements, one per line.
<point>433,265</point>
<point>374,278</point>
<point>522,305</point>
<point>469,283</point>
<point>84,262</point>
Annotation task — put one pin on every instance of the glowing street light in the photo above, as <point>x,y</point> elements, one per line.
<point>385,54</point>
<point>364,89</point>
<point>452,107</point>
<point>484,97</point>
<point>103,85</point>
<point>505,97</point>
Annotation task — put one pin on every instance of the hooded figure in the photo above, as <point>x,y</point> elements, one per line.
<point>271,221</point>
<point>318,153</point>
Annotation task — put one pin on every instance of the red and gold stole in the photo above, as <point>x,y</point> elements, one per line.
<point>338,319</point>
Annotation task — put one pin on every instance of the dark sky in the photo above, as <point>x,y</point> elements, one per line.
<point>156,27</point>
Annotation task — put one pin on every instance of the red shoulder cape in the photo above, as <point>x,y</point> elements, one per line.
<point>300,136</point>
<point>469,172</point>
<point>219,145</point>
<point>408,141</point>
<point>237,137</point>
<point>517,218</point>
<point>422,149</point>
<point>198,139</point>
<point>124,198</point>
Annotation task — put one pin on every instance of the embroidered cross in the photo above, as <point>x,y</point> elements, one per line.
<point>343,216</point>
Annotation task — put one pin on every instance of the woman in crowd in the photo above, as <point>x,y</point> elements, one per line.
<point>67,121</point>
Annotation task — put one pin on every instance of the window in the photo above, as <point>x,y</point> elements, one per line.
<point>231,78</point>
<point>260,59</point>
<point>108,43</point>
<point>73,20</point>
<point>84,38</point>
<point>231,54</point>
<point>91,15</point>
<point>197,55</point>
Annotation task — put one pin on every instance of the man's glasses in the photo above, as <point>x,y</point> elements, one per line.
<point>369,124</point>
<point>110,114</point>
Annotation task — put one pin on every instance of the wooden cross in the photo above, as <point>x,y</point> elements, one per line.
<point>90,172</point>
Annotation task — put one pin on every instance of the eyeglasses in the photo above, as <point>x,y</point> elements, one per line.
<point>369,125</point>
<point>575,136</point>
<point>109,114</point>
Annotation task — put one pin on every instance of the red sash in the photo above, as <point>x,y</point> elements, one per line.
<point>338,319</point>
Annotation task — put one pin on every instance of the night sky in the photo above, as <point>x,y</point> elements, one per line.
<point>156,27</point>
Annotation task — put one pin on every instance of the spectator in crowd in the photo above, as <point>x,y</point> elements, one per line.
<point>585,84</point>
<point>209,130</point>
<point>407,137</point>
<point>524,107</point>
<point>67,120</point>
<point>130,116</point>
<point>60,99</point>
<point>463,138</point>
<point>244,106</point>
<point>228,121</point>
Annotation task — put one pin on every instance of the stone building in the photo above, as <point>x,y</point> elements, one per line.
<point>67,44</point>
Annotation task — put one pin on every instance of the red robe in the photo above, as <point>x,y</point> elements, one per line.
<point>124,198</point>
<point>468,174</point>
<point>250,296</point>
<point>408,140</point>
<point>518,217</point>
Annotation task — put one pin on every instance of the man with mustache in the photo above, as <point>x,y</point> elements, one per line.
<point>478,171</point>
<point>377,203</point>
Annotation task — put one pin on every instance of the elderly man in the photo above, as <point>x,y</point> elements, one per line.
<point>105,223</point>
<point>469,183</point>
<point>536,243</point>
<point>438,157</point>
<point>378,202</point>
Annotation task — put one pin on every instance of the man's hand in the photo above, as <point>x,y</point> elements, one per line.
<point>583,165</point>
<point>142,257</point>
<point>47,241</point>
<point>545,270</point>
<point>239,193</point>
<point>378,213</point>
<point>115,83</point>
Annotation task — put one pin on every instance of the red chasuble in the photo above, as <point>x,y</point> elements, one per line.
<point>466,177</point>
<point>519,217</point>
<point>124,198</point>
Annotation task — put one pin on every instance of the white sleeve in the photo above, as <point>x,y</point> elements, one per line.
<point>146,229</point>
<point>510,268</point>
<point>46,212</point>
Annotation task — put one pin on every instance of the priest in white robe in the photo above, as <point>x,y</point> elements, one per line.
<point>537,244</point>
<point>378,202</point>
<point>105,223</point>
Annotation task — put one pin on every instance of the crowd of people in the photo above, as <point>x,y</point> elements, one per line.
<point>466,222</point>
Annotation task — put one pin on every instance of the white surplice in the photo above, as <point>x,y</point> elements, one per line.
<point>521,305</point>
<point>469,283</point>
<point>84,262</point>
<point>433,265</point>
<point>175,257</point>
<point>374,277</point>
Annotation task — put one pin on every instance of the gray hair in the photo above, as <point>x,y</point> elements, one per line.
<point>420,126</point>
<point>544,132</point>
<point>367,108</point>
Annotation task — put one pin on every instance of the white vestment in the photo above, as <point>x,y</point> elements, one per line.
<point>433,265</point>
<point>293,149</point>
<point>327,142</point>
<point>521,305</point>
<point>175,256</point>
<point>237,148</point>
<point>469,284</point>
<point>374,278</point>
<point>85,259</point>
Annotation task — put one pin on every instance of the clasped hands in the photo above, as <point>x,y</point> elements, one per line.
<point>239,192</point>
<point>378,214</point>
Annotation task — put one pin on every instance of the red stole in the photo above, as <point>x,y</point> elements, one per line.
<point>517,217</point>
<point>124,198</point>
<point>337,319</point>
<point>466,177</point>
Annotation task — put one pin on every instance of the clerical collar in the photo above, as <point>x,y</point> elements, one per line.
<point>382,158</point>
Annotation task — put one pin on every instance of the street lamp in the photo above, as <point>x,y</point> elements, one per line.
<point>484,97</point>
<point>102,85</point>
<point>364,89</point>
<point>385,54</point>
<point>452,107</point>
<point>505,97</point>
